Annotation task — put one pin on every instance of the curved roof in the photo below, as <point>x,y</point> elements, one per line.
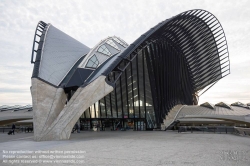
<point>10,114</point>
<point>196,34</point>
<point>15,107</point>
<point>194,113</point>
<point>103,51</point>
<point>56,53</point>
<point>106,49</point>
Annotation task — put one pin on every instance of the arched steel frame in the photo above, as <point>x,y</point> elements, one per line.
<point>37,47</point>
<point>184,54</point>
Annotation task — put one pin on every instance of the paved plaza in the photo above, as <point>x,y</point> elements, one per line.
<point>141,148</point>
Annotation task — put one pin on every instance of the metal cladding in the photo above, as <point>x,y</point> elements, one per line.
<point>203,115</point>
<point>56,53</point>
<point>103,51</point>
<point>170,64</point>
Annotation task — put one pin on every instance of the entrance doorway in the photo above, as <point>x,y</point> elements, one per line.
<point>113,124</point>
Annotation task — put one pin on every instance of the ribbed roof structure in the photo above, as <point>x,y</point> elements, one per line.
<point>172,63</point>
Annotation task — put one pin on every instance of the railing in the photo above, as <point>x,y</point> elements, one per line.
<point>213,129</point>
<point>17,130</point>
<point>242,131</point>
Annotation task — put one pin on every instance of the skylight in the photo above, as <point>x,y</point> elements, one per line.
<point>103,49</point>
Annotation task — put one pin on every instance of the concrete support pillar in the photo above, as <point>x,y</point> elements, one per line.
<point>61,126</point>
<point>48,101</point>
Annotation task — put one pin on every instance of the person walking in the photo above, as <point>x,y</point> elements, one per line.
<point>13,128</point>
<point>98,126</point>
<point>75,128</point>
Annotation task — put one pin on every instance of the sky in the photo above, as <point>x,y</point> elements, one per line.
<point>90,21</point>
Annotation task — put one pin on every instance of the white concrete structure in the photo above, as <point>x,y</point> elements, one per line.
<point>53,120</point>
<point>166,66</point>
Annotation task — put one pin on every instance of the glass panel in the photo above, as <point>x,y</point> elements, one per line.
<point>103,49</point>
<point>129,91</point>
<point>131,94</point>
<point>93,62</point>
<point>141,80</point>
<point>90,63</point>
<point>118,97</point>
<point>94,58</point>
<point>94,65</point>
<point>113,103</point>
<point>150,114</point>
<point>108,107</point>
<point>102,108</point>
<point>135,89</point>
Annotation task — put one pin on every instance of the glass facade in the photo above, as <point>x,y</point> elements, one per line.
<point>168,65</point>
<point>129,105</point>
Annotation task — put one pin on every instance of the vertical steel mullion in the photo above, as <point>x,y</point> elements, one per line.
<point>163,79</point>
<point>116,107</point>
<point>106,111</point>
<point>157,78</point>
<point>126,83</point>
<point>144,88</point>
<point>90,121</point>
<point>94,110</point>
<point>151,75</point>
<point>131,71</point>
<point>116,103</point>
<point>89,113</point>
<point>161,57</point>
<point>138,86</point>
<point>99,102</point>
<point>121,96</point>
<point>155,71</point>
<point>110,97</point>
<point>165,73</point>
